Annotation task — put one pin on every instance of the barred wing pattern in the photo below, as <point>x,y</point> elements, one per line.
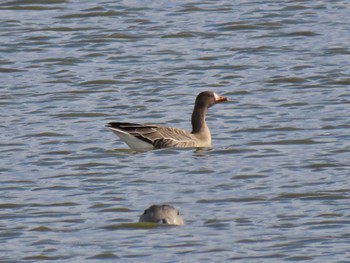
<point>158,136</point>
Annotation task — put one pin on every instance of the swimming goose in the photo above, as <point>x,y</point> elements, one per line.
<point>143,137</point>
<point>162,214</point>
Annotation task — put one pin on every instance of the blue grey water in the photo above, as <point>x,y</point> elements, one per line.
<point>275,187</point>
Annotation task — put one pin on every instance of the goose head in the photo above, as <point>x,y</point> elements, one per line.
<point>207,99</point>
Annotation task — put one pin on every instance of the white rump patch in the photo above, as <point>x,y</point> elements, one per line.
<point>133,142</point>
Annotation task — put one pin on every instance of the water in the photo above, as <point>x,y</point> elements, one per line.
<point>273,188</point>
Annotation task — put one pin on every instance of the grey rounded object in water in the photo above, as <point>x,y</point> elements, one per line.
<point>162,214</point>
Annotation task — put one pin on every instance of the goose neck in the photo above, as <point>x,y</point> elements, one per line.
<point>198,119</point>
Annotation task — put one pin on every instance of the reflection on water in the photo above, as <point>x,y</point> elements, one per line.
<point>275,185</point>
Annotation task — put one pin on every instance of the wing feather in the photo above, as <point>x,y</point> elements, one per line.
<point>158,136</point>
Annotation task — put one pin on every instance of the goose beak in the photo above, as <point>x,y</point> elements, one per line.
<point>219,99</point>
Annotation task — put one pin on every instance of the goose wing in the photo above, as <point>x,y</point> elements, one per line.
<point>158,136</point>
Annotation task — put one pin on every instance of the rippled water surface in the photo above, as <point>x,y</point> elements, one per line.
<point>275,186</point>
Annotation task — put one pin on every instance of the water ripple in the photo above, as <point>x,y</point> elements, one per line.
<point>274,187</point>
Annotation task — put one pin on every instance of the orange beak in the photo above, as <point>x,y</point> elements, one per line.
<point>219,99</point>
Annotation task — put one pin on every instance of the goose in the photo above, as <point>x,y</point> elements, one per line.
<point>162,214</point>
<point>144,137</point>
